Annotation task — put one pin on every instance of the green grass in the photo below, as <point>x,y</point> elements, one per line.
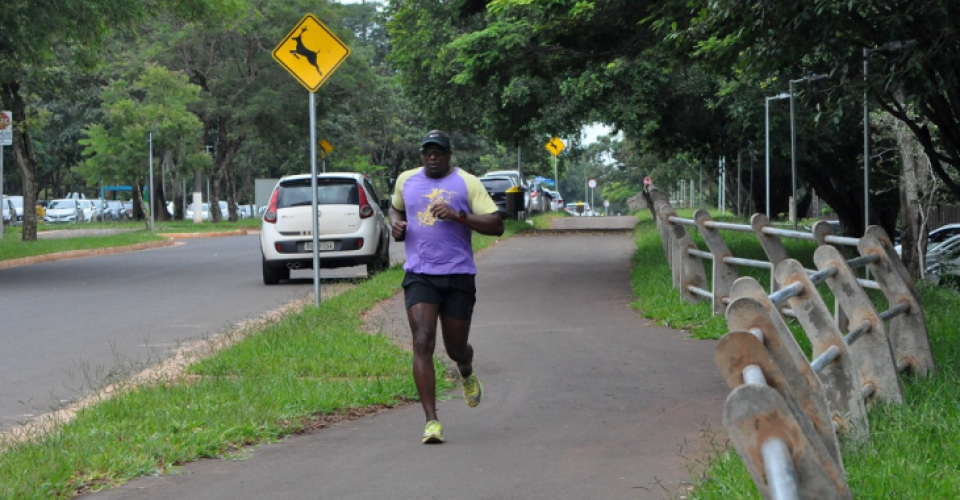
<point>12,246</point>
<point>914,445</point>
<point>278,381</point>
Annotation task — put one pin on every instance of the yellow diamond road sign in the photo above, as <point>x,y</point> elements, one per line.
<point>326,146</point>
<point>311,52</point>
<point>555,146</point>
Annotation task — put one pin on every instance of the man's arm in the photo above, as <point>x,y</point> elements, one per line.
<point>489,224</point>
<point>398,224</point>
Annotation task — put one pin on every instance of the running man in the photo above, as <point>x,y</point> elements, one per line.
<point>434,209</point>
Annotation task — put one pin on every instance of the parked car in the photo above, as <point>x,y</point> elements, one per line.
<point>87,210</point>
<point>497,189</point>
<point>556,201</point>
<point>573,210</point>
<point>937,236</point>
<point>127,213</point>
<point>7,211</point>
<point>113,210</point>
<point>245,211</point>
<point>204,211</point>
<point>520,181</point>
<point>64,210</point>
<point>353,228</point>
<point>538,200</point>
<point>100,209</point>
<point>943,260</point>
<point>14,203</point>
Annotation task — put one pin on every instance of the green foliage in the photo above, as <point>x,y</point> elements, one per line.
<point>157,103</point>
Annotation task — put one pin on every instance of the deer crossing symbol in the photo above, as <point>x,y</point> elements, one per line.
<point>302,50</point>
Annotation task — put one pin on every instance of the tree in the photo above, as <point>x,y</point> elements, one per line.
<point>156,104</point>
<point>35,37</point>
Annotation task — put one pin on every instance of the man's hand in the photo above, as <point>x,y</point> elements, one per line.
<point>398,229</point>
<point>443,211</point>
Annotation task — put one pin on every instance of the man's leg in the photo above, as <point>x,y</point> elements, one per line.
<point>423,323</point>
<point>456,333</point>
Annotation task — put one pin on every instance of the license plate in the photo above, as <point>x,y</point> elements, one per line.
<point>322,246</point>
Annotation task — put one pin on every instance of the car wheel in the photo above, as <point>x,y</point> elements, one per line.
<point>273,276</point>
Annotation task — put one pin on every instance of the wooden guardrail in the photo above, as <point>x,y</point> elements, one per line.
<point>784,411</point>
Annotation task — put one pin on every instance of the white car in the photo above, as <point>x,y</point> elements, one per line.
<point>935,237</point>
<point>204,211</point>
<point>573,210</point>
<point>16,203</point>
<point>353,228</point>
<point>64,210</point>
<point>88,210</point>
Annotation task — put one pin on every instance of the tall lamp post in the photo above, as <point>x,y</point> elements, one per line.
<point>793,146</point>
<point>781,95</point>
<point>150,159</point>
<point>895,45</point>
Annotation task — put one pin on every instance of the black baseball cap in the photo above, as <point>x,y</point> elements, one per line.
<point>438,137</point>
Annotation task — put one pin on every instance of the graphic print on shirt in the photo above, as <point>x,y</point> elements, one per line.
<point>436,197</point>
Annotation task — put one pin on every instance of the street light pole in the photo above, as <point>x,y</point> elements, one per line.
<point>150,142</point>
<point>793,147</point>
<point>781,95</point>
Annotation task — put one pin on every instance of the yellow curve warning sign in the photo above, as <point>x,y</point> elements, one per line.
<point>311,52</point>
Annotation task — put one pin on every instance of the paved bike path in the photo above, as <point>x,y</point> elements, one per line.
<point>584,399</point>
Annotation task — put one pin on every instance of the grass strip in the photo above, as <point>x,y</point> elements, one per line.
<point>309,364</point>
<point>914,445</point>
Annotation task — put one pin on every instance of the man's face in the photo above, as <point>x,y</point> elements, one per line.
<point>436,160</point>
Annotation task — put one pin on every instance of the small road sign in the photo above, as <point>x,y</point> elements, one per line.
<point>592,183</point>
<point>555,146</point>
<point>311,52</point>
<point>646,181</point>
<point>326,146</point>
<point>6,128</point>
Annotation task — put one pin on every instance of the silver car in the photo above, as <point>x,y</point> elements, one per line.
<point>64,210</point>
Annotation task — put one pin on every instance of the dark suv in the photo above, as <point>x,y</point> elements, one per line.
<point>497,188</point>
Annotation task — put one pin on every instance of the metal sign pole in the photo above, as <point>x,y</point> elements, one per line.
<point>316,207</point>
<point>556,178</point>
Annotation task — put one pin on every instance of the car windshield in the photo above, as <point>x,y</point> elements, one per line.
<point>497,184</point>
<point>329,192</point>
<point>62,204</point>
<point>943,235</point>
<point>17,202</point>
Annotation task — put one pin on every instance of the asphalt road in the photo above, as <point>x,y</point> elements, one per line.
<point>67,326</point>
<point>584,399</point>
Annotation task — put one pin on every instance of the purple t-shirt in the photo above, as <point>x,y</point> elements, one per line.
<point>435,246</point>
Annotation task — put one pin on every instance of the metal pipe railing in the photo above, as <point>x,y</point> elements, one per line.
<point>778,466</point>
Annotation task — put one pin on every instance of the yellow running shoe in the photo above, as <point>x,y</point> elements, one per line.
<point>433,432</point>
<point>472,390</point>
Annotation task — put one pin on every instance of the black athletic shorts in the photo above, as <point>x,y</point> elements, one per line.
<point>456,293</point>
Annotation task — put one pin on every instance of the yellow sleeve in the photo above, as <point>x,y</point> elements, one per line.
<point>397,200</point>
<point>480,201</point>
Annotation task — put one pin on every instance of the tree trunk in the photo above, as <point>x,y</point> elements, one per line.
<point>139,210</point>
<point>25,156</point>
<point>225,151</point>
